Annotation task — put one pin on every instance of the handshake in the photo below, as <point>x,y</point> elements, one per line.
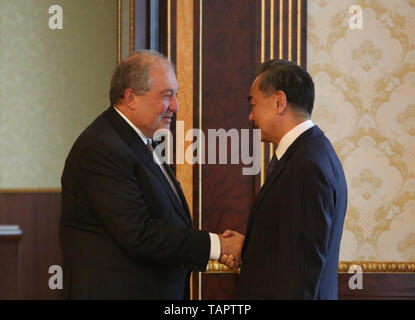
<point>231,246</point>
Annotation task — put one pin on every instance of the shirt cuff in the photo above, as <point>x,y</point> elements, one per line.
<point>214,246</point>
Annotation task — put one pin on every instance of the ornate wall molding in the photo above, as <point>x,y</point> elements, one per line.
<point>367,266</point>
<point>379,267</point>
<point>31,190</point>
<point>119,30</point>
<point>217,267</point>
<point>125,8</point>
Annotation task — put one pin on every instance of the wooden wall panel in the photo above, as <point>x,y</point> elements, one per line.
<point>37,215</point>
<point>379,286</point>
<point>184,64</point>
<point>376,286</point>
<point>230,55</point>
<point>9,266</point>
<point>219,286</point>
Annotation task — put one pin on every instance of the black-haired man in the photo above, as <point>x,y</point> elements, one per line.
<point>292,241</point>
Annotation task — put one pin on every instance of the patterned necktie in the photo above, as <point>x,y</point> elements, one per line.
<point>150,146</point>
<point>169,178</point>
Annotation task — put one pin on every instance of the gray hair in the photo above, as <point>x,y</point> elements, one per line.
<point>134,73</point>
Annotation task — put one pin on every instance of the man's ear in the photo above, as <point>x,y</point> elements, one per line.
<point>129,96</point>
<point>281,101</point>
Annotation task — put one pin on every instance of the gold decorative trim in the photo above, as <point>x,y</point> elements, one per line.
<point>200,106</point>
<point>262,60</point>
<point>169,142</point>
<point>185,71</point>
<point>299,4</point>
<point>367,266</point>
<point>119,27</point>
<point>31,190</point>
<point>262,30</point>
<point>262,163</point>
<point>169,29</point>
<point>379,267</point>
<point>272,43</point>
<point>281,50</point>
<point>272,26</point>
<point>281,44</point>
<point>217,267</point>
<point>200,124</point>
<point>132,27</point>
<point>290,30</point>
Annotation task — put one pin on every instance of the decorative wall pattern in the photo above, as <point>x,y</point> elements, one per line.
<point>365,102</point>
<point>52,84</point>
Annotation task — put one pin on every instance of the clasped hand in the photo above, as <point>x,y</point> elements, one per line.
<point>231,246</point>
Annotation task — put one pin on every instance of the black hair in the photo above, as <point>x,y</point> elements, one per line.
<point>290,78</point>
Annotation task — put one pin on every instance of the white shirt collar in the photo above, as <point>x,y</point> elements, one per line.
<point>142,136</point>
<point>291,136</point>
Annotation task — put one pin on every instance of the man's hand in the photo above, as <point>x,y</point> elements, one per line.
<point>231,247</point>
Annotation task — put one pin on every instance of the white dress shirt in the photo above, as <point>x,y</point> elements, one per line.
<point>291,136</point>
<point>214,238</point>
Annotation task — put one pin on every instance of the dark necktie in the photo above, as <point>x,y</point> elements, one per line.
<point>272,165</point>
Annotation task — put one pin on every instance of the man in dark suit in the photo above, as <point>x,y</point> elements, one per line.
<point>125,228</point>
<point>292,241</point>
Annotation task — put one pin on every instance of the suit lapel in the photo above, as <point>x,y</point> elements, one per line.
<point>128,134</point>
<point>268,182</point>
<point>180,193</point>
<point>262,192</point>
<point>145,156</point>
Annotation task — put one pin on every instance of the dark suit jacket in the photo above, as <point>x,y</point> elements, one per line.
<point>292,241</point>
<point>123,231</point>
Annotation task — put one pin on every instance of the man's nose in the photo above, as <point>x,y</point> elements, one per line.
<point>174,104</point>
